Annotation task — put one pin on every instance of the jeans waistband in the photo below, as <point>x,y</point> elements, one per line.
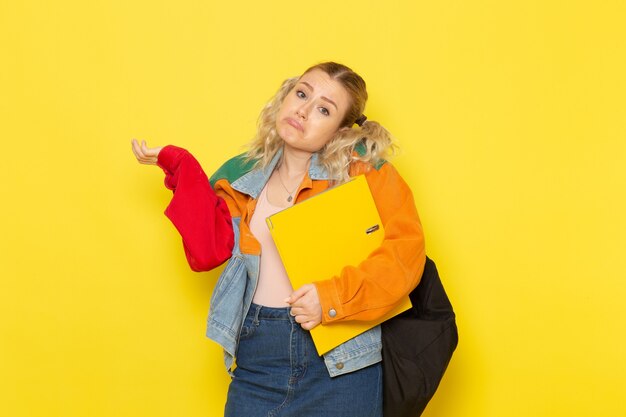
<point>274,313</point>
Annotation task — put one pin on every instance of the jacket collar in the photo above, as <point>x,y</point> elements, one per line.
<point>252,183</point>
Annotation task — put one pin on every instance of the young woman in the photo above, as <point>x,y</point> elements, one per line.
<point>311,136</point>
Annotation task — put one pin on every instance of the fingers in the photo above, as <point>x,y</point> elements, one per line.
<point>135,147</point>
<point>150,152</point>
<point>306,321</point>
<point>302,299</point>
<point>144,154</point>
<point>306,318</point>
<point>297,294</point>
<point>305,306</point>
<point>309,325</point>
<point>139,153</point>
<point>302,314</point>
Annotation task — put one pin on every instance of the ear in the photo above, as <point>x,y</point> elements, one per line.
<point>344,129</point>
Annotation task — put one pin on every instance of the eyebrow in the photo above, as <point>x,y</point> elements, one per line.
<point>323,98</point>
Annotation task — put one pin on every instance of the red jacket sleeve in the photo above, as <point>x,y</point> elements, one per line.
<point>200,216</point>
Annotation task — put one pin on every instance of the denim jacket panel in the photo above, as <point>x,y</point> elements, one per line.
<point>356,353</point>
<point>227,301</point>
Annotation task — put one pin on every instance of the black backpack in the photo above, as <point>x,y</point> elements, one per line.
<point>417,347</point>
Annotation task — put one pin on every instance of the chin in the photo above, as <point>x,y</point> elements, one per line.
<point>287,133</point>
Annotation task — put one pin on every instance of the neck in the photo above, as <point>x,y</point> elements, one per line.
<point>294,162</point>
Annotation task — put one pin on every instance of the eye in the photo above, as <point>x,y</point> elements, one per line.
<point>324,111</point>
<point>300,94</point>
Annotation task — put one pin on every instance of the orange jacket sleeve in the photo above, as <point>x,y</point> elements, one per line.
<point>371,289</point>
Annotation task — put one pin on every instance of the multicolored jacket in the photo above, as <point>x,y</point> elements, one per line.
<point>213,218</point>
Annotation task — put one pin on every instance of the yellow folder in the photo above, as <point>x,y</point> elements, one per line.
<point>318,237</point>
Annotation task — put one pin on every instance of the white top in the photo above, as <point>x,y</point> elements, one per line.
<point>274,285</point>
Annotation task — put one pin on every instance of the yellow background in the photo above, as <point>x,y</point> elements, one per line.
<point>511,115</point>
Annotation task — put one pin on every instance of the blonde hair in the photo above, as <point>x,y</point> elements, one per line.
<point>339,153</point>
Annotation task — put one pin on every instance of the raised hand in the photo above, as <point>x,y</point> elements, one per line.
<point>145,155</point>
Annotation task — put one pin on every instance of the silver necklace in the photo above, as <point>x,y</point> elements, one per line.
<point>290,193</point>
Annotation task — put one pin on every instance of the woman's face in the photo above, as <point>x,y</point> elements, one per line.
<point>312,112</point>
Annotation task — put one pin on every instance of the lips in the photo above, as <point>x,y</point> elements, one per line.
<point>294,123</point>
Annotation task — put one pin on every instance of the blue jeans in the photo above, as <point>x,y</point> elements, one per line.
<point>279,374</point>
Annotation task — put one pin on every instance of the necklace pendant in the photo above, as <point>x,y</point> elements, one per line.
<point>289,199</point>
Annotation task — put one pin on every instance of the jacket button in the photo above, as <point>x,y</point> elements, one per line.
<point>332,313</point>
<point>339,365</point>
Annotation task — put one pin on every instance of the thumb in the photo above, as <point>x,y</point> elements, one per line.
<point>297,294</point>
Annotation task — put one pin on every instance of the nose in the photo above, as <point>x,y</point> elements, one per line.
<point>303,111</point>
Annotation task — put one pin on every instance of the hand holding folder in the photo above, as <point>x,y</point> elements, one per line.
<point>318,237</point>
